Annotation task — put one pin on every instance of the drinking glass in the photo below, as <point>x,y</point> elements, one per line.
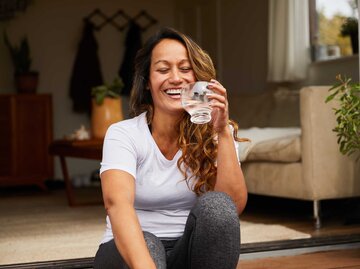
<point>195,101</point>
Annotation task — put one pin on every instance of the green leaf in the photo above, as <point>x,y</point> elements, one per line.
<point>347,114</point>
<point>112,90</point>
<point>20,54</point>
<point>331,97</point>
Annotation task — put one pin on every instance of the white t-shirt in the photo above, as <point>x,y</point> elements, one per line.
<point>162,197</point>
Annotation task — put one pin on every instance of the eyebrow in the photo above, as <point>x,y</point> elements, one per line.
<point>160,61</point>
<point>167,62</point>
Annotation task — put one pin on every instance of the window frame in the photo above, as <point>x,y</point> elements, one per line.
<point>314,33</point>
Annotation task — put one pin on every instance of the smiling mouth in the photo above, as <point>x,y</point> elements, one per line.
<point>173,92</point>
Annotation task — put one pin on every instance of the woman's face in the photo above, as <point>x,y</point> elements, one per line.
<point>170,70</point>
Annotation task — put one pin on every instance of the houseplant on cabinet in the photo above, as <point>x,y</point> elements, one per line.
<point>26,80</point>
<point>106,107</point>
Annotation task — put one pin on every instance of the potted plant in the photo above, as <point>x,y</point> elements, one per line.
<point>347,115</point>
<point>106,107</point>
<point>26,80</point>
<point>350,28</point>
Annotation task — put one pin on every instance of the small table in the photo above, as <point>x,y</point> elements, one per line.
<point>86,149</point>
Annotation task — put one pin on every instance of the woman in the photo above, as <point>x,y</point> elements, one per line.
<point>172,189</point>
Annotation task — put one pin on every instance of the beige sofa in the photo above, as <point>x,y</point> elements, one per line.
<point>294,152</point>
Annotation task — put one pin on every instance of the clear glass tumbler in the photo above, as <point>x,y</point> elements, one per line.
<point>195,101</point>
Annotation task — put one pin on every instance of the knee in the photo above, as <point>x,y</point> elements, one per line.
<point>154,244</point>
<point>151,238</point>
<point>108,256</point>
<point>218,209</point>
<point>156,249</point>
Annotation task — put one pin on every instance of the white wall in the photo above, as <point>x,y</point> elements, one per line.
<point>54,29</point>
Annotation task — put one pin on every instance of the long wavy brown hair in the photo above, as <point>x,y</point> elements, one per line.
<point>197,142</point>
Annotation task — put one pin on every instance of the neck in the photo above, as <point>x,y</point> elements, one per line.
<point>164,131</point>
<point>165,126</point>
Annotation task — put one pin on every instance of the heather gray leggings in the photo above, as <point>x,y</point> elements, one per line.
<point>211,240</point>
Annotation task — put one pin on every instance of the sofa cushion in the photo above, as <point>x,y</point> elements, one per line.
<point>286,109</point>
<point>270,144</point>
<point>275,179</point>
<point>271,108</point>
<point>277,150</point>
<point>251,110</point>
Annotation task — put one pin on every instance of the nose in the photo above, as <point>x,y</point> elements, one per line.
<point>175,77</point>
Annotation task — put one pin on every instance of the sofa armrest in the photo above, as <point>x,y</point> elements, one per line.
<point>326,172</point>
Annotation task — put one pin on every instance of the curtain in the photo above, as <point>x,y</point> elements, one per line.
<point>288,40</point>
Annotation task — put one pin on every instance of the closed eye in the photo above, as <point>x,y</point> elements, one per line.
<point>163,70</point>
<point>185,69</point>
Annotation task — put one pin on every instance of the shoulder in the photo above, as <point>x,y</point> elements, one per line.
<point>130,127</point>
<point>131,135</point>
<point>128,138</point>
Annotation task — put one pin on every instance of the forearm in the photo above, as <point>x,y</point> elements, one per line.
<point>129,238</point>
<point>230,178</point>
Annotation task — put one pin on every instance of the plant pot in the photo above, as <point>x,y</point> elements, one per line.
<point>355,43</point>
<point>27,82</point>
<point>102,116</point>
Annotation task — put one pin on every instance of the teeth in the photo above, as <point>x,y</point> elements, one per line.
<point>173,91</point>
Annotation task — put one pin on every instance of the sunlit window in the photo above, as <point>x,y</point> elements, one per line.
<point>333,28</point>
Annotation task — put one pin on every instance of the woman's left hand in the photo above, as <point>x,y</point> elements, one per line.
<point>220,106</point>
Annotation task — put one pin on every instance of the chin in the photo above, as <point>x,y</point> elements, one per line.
<point>178,110</point>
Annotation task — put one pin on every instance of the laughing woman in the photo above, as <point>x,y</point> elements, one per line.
<point>172,189</point>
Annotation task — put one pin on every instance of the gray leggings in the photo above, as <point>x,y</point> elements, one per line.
<point>211,240</point>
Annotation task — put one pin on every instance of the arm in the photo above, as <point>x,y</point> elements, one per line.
<point>230,178</point>
<point>119,191</point>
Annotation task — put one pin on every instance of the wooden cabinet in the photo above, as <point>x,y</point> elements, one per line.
<point>25,135</point>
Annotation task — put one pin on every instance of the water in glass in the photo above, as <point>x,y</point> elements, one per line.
<point>195,101</point>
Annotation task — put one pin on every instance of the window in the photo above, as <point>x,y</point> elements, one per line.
<point>326,20</point>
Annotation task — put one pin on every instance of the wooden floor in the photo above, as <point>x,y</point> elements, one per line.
<point>346,259</point>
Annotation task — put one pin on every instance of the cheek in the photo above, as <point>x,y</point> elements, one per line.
<point>191,76</point>
<point>154,82</point>
<point>156,78</point>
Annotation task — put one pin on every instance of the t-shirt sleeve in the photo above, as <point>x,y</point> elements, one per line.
<point>119,151</point>
<point>235,143</point>
<point>237,150</point>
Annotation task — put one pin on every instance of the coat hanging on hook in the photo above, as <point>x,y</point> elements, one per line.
<point>86,71</point>
<point>132,45</point>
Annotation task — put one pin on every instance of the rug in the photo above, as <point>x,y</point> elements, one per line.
<point>39,229</point>
<point>258,232</point>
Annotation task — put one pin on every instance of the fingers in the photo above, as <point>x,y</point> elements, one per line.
<point>219,97</point>
<point>215,86</point>
<point>219,105</point>
<point>214,97</point>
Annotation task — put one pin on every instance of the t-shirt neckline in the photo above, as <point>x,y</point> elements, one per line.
<point>159,153</point>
